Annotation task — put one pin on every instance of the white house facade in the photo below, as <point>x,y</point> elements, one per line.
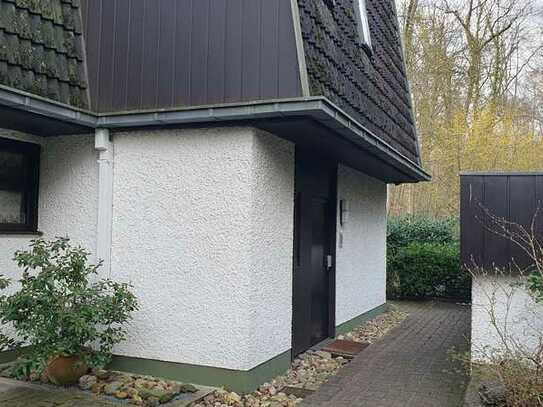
<point>208,248</point>
<point>230,159</point>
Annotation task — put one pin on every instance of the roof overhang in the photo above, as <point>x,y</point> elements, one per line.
<point>314,122</point>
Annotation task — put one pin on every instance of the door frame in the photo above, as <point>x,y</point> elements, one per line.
<point>333,228</point>
<point>332,231</point>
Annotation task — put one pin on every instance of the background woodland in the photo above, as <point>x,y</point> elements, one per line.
<point>476,72</point>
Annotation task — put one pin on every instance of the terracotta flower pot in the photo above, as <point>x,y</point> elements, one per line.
<point>66,370</point>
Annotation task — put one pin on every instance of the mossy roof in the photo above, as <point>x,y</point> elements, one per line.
<point>372,88</point>
<point>41,49</point>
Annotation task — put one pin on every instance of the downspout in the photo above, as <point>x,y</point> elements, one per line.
<point>104,146</point>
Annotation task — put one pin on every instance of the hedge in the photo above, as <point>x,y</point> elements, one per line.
<point>410,229</point>
<point>424,260</point>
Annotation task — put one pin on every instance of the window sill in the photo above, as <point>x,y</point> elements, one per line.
<point>20,233</point>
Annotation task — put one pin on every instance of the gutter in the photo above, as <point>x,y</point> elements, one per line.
<point>319,109</point>
<point>39,105</point>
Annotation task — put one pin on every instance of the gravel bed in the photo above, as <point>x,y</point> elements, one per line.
<point>378,327</point>
<point>133,389</point>
<point>308,371</point>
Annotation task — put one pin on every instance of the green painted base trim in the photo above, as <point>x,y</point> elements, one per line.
<point>12,355</point>
<point>236,380</point>
<point>361,319</point>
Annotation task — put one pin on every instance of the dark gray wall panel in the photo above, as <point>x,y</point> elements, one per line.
<point>183,39</point>
<point>148,54</point>
<point>471,233</point>
<point>134,65</point>
<point>120,71</point>
<point>514,197</point>
<point>251,49</point>
<point>288,72</point>
<point>270,50</point>
<point>151,41</point>
<point>495,200</point>
<point>165,55</point>
<point>539,203</point>
<point>522,194</point>
<point>217,55</point>
<point>233,70</point>
<point>199,51</point>
<point>106,86</point>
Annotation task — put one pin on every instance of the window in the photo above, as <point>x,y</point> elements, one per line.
<point>363,25</point>
<point>19,175</point>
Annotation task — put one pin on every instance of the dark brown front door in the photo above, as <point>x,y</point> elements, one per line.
<point>315,214</point>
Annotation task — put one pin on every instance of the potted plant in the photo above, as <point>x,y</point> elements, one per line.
<point>69,317</point>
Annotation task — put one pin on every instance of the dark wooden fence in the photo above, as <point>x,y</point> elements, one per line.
<point>515,197</point>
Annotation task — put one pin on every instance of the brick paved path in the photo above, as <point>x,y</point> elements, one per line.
<point>410,367</point>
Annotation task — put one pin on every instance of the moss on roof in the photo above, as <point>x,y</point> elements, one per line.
<point>41,49</point>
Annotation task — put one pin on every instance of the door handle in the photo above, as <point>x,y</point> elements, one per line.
<point>329,263</point>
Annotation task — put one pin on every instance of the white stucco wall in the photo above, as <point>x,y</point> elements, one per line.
<point>67,199</point>
<point>518,317</point>
<point>271,252</point>
<point>202,226</point>
<point>361,245</point>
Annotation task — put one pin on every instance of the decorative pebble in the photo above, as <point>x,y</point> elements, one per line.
<point>102,374</point>
<point>308,371</point>
<point>86,382</point>
<point>121,395</point>
<point>112,388</point>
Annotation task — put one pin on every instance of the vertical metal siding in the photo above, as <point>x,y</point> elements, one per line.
<point>217,55</point>
<point>289,81</point>
<point>92,30</point>
<point>270,43</point>
<point>251,48</point>
<point>471,232</point>
<point>515,197</point>
<point>134,57</point>
<point>495,199</point>
<point>151,43</point>
<point>165,54</point>
<point>198,51</point>
<point>107,55</point>
<point>146,54</point>
<point>233,65</point>
<point>122,43</point>
<point>183,40</point>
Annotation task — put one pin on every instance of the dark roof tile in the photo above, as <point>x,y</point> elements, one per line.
<point>372,89</point>
<point>41,49</point>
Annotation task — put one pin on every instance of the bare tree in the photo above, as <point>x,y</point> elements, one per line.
<point>475,70</point>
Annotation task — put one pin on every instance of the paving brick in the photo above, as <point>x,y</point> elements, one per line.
<point>409,367</point>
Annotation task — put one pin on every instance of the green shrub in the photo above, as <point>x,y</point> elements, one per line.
<point>6,343</point>
<point>405,230</point>
<point>62,309</point>
<point>427,270</point>
<point>423,259</point>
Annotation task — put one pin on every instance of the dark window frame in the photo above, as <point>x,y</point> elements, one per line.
<point>30,191</point>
